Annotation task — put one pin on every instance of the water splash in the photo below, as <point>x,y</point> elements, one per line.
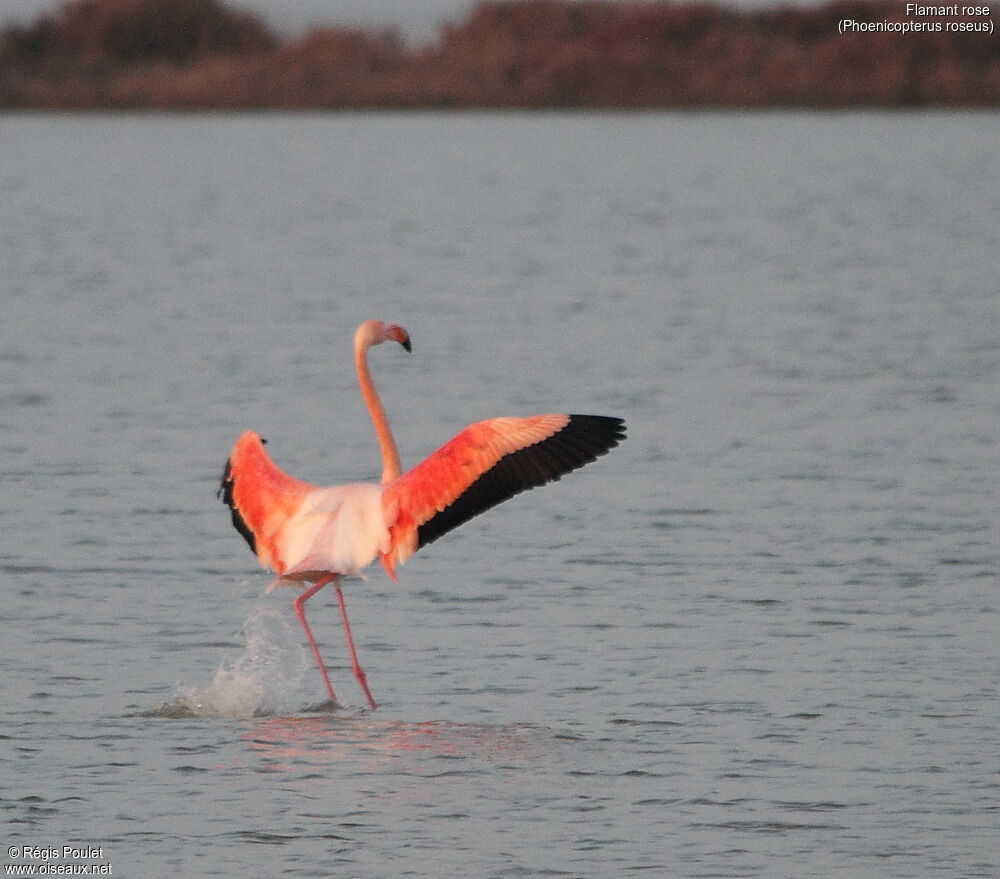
<point>262,680</point>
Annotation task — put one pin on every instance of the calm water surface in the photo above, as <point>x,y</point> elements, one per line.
<point>759,639</point>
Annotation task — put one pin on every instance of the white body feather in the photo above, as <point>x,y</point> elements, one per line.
<point>341,529</point>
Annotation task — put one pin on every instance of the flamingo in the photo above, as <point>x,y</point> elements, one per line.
<point>312,536</point>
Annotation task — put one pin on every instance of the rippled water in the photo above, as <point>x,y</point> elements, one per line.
<point>759,639</point>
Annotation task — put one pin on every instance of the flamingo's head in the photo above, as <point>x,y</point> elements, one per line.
<point>374,332</point>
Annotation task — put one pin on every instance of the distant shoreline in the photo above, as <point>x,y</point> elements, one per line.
<point>176,55</point>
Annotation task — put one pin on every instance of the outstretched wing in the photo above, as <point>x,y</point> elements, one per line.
<point>261,496</point>
<point>485,464</point>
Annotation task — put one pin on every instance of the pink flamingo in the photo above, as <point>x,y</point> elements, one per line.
<point>312,535</point>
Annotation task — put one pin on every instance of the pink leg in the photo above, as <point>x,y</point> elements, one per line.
<point>300,613</point>
<point>358,672</point>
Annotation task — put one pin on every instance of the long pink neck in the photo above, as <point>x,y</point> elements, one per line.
<point>387,445</point>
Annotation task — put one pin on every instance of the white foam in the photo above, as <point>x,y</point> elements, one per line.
<point>263,679</point>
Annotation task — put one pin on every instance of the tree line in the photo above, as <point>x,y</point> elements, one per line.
<point>204,54</point>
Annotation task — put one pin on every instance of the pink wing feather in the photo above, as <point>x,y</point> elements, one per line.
<point>483,465</point>
<point>262,497</point>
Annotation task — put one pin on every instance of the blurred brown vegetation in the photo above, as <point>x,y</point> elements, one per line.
<point>183,54</point>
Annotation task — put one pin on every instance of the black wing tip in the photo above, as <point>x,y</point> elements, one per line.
<point>589,436</point>
<point>225,490</point>
<point>583,439</point>
<point>225,494</point>
<point>608,427</point>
